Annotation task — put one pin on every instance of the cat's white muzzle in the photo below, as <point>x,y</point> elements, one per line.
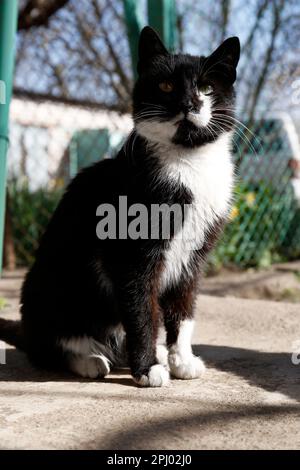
<point>163,132</point>
<point>202,118</point>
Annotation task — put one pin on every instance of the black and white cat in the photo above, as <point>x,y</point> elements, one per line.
<point>90,304</point>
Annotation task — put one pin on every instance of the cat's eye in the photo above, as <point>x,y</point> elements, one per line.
<point>167,87</point>
<point>206,89</point>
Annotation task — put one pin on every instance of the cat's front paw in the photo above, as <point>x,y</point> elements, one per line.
<point>158,376</point>
<point>185,367</point>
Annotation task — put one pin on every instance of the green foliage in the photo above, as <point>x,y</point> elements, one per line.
<point>297,275</point>
<point>3,303</point>
<point>30,212</point>
<point>264,225</point>
<point>259,226</point>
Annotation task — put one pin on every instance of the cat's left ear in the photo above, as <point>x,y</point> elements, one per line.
<point>150,46</point>
<point>226,57</point>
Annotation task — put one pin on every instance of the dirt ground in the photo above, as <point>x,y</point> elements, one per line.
<point>280,282</point>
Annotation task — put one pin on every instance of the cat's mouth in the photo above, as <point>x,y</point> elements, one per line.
<point>179,121</point>
<point>186,123</point>
<point>192,120</point>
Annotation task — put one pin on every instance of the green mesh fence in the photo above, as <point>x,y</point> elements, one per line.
<point>50,142</point>
<point>31,212</point>
<point>265,217</point>
<point>264,223</point>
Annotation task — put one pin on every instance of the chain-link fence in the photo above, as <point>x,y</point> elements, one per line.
<point>265,217</point>
<point>51,141</point>
<point>71,101</point>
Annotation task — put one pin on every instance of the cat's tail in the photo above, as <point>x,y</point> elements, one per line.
<point>11,333</point>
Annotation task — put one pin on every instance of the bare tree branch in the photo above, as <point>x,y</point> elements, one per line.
<point>277,9</point>
<point>258,16</point>
<point>40,97</point>
<point>38,12</point>
<point>84,55</point>
<point>87,36</point>
<point>225,8</point>
<point>118,66</point>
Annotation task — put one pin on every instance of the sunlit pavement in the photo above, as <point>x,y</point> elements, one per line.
<point>248,398</point>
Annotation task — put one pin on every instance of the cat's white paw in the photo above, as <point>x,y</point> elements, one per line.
<point>162,355</point>
<point>158,376</point>
<point>89,366</point>
<point>186,367</point>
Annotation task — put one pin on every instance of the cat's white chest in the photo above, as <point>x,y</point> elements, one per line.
<point>208,173</point>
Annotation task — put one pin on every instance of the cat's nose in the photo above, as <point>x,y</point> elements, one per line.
<point>192,106</point>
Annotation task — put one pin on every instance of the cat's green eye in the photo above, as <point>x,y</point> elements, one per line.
<point>167,87</point>
<point>206,89</point>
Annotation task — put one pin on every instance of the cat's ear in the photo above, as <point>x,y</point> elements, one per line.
<point>228,52</point>
<point>150,46</point>
<point>226,57</point>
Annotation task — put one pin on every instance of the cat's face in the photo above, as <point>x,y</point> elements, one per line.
<point>183,99</point>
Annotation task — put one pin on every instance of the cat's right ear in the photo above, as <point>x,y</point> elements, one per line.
<point>150,45</point>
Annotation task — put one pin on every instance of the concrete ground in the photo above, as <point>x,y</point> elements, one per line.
<point>248,399</point>
<point>280,282</point>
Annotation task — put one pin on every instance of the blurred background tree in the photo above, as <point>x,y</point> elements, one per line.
<point>79,50</point>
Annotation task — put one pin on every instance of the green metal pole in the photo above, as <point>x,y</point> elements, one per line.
<point>162,17</point>
<point>134,26</point>
<point>8,25</point>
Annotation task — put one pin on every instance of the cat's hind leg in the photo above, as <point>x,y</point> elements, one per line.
<point>161,347</point>
<point>162,355</point>
<point>88,366</point>
<point>87,357</point>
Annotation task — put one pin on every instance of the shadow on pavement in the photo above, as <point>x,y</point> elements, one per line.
<point>271,371</point>
<point>19,369</point>
<point>197,426</point>
<point>274,372</point>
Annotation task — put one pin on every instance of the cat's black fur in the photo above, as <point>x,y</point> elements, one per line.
<point>66,293</point>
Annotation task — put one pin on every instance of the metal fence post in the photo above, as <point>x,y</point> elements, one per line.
<point>162,17</point>
<point>134,26</point>
<point>8,24</point>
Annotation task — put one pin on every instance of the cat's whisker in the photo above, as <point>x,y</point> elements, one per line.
<point>237,121</point>
<point>243,137</point>
<point>241,134</point>
<point>221,123</point>
<point>143,113</point>
<point>210,130</point>
<point>153,105</point>
<point>148,115</point>
<point>218,127</point>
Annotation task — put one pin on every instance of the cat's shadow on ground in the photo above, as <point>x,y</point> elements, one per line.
<point>273,372</point>
<point>17,368</point>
